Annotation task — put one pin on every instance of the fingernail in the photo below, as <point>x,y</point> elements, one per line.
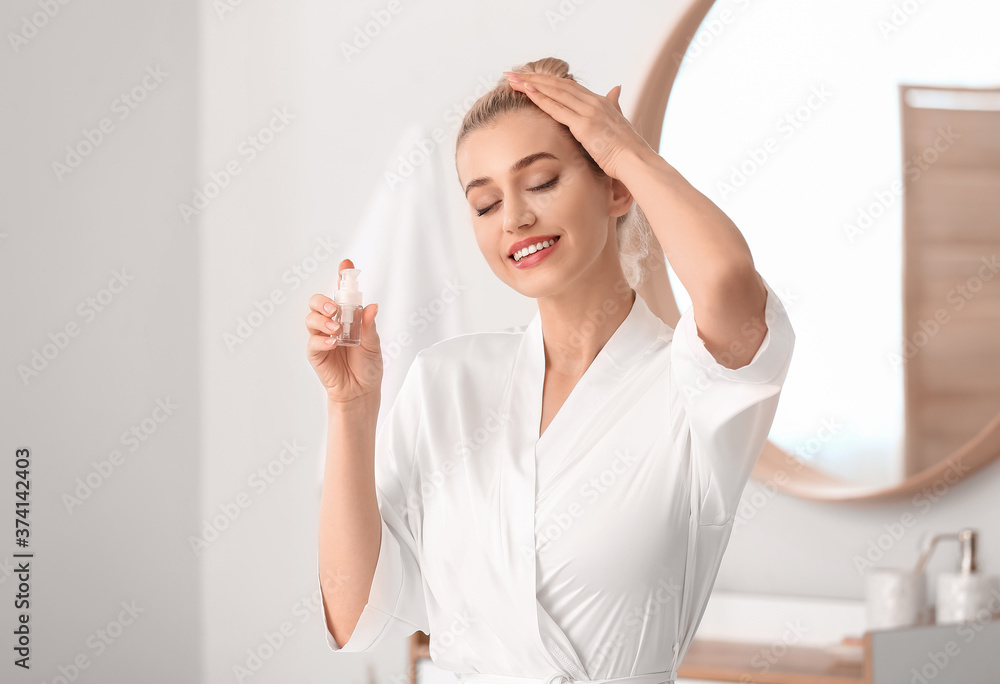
<point>512,77</point>
<point>376,312</point>
<point>328,307</point>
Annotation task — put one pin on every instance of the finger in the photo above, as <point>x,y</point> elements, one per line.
<point>317,344</point>
<point>369,334</point>
<point>574,88</point>
<point>368,318</point>
<point>585,102</point>
<point>553,107</point>
<point>569,93</point>
<point>318,323</point>
<point>613,97</point>
<point>318,302</point>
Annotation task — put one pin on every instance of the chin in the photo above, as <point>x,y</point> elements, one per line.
<point>537,287</point>
<point>542,280</point>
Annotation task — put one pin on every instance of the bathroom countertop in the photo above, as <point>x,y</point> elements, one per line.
<point>735,661</point>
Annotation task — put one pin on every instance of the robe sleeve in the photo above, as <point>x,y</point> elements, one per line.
<point>728,411</point>
<point>396,606</point>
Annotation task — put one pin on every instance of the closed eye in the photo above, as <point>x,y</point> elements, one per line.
<point>544,186</point>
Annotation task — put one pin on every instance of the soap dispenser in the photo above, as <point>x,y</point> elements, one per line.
<point>967,594</point>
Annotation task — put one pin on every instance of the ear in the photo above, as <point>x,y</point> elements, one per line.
<point>620,198</point>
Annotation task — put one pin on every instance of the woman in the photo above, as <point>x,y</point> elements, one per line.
<point>552,504</point>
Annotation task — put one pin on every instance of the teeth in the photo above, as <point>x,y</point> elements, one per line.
<point>531,249</point>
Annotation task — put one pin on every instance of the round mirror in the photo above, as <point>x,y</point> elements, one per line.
<point>856,145</point>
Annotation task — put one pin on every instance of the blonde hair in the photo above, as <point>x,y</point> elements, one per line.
<point>633,228</point>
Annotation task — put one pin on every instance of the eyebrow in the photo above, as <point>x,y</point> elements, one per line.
<point>514,168</point>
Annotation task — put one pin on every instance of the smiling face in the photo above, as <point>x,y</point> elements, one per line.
<point>528,183</point>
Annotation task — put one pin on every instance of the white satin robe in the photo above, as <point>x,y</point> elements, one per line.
<point>588,553</point>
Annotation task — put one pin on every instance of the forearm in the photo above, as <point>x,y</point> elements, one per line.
<point>350,524</point>
<point>701,243</point>
<point>655,288</point>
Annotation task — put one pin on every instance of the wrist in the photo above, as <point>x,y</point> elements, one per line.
<point>639,159</point>
<point>651,181</point>
<point>362,404</point>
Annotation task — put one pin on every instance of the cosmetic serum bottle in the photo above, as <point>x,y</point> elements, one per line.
<point>349,309</point>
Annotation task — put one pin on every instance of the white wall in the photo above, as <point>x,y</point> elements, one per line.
<point>167,334</point>
<point>64,237</point>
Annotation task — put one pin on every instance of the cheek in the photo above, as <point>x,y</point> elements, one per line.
<point>576,208</point>
<point>487,245</point>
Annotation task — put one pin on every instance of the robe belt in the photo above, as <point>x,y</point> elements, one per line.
<point>666,677</point>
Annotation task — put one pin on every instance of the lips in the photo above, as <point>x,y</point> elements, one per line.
<point>521,244</point>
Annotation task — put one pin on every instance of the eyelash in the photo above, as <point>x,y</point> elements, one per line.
<point>539,187</point>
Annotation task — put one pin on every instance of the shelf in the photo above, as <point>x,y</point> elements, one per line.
<point>731,661</point>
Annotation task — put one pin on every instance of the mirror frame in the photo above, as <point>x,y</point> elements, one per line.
<point>785,472</point>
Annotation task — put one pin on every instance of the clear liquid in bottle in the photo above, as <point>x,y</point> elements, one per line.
<point>349,308</point>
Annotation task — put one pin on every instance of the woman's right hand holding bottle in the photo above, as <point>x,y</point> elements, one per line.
<point>347,373</point>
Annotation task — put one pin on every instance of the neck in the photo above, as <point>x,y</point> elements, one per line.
<point>576,328</point>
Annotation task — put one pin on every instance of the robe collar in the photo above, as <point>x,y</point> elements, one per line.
<point>634,335</point>
<point>544,646</point>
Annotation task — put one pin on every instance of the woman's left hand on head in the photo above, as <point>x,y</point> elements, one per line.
<point>596,121</point>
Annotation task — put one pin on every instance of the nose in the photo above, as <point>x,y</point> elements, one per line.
<point>517,213</point>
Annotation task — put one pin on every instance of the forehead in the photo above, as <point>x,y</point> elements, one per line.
<point>490,150</point>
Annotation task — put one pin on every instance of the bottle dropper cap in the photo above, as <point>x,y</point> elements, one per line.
<point>348,295</point>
